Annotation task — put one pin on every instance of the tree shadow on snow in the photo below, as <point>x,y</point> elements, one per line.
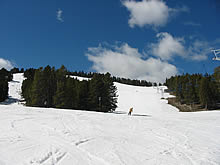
<point>119,112</point>
<point>141,115</point>
<point>122,113</point>
<point>10,101</point>
<point>15,81</point>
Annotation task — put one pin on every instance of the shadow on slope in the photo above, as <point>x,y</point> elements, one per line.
<point>123,113</point>
<point>141,115</point>
<point>119,112</point>
<point>13,81</point>
<point>9,101</point>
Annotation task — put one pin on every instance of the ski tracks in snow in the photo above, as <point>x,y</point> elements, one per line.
<point>61,142</point>
<point>174,144</point>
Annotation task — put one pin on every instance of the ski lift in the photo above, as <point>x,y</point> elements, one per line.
<point>216,53</point>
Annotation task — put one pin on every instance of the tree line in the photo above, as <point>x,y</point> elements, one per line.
<point>5,77</point>
<point>118,79</point>
<point>50,87</point>
<point>198,89</point>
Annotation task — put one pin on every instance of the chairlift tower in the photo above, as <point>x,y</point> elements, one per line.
<point>217,54</point>
<point>162,93</point>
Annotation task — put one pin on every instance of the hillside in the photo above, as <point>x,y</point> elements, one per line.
<point>156,133</point>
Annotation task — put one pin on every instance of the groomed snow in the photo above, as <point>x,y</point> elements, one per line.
<point>156,133</point>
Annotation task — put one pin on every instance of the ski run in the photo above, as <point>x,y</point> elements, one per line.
<point>155,134</point>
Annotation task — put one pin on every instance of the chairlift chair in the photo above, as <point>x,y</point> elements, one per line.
<point>217,54</point>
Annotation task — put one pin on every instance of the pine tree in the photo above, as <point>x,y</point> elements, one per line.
<point>205,93</point>
<point>83,95</point>
<point>59,97</point>
<point>96,88</point>
<point>178,89</point>
<point>49,81</point>
<point>110,103</point>
<point>216,77</point>
<point>38,94</point>
<point>3,89</point>
<point>70,94</point>
<point>5,76</point>
<point>27,85</point>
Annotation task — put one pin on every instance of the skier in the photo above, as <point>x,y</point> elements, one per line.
<point>130,110</point>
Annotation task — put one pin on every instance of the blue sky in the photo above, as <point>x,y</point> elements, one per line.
<point>145,39</point>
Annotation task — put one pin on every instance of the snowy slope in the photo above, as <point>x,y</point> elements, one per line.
<point>156,134</point>
<point>80,78</point>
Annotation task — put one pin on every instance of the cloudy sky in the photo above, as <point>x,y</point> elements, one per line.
<point>138,39</point>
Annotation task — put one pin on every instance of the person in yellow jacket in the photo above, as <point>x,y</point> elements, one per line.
<point>130,111</point>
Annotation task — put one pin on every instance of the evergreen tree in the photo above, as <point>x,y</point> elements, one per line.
<point>3,89</point>
<point>27,85</point>
<point>205,93</point>
<point>96,86</point>
<point>38,94</point>
<point>178,89</point>
<point>49,82</point>
<point>59,97</point>
<point>43,89</point>
<point>110,101</point>
<point>70,94</point>
<point>55,88</point>
<point>5,76</point>
<point>83,95</point>
<point>216,77</point>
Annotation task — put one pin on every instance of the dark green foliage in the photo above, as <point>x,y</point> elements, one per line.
<point>29,73</point>
<point>54,88</point>
<point>97,88</point>
<point>216,80</point>
<point>111,90</point>
<point>196,89</point>
<point>133,82</point>
<point>116,79</point>
<point>3,90</point>
<point>27,84</point>
<point>205,92</point>
<point>185,88</point>
<point>82,95</point>
<point>59,97</point>
<point>102,93</point>
<point>5,76</point>
<point>51,86</point>
<point>81,74</point>
<point>16,70</point>
<point>38,94</point>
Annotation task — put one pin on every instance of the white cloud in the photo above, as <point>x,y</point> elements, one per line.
<point>153,13</point>
<point>168,47</point>
<point>60,15</point>
<point>5,64</point>
<point>125,61</point>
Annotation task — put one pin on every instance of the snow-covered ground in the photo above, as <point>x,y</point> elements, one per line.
<point>80,78</point>
<point>156,133</point>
